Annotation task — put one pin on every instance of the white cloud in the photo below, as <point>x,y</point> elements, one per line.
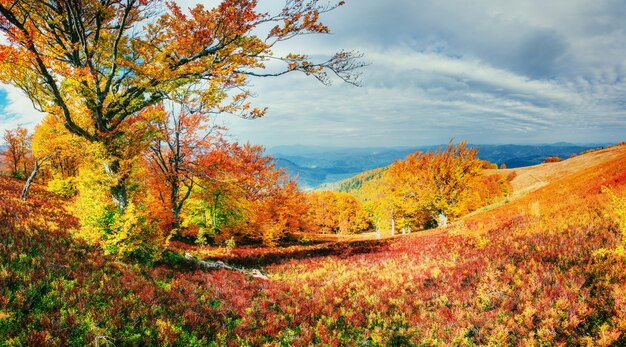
<point>18,110</point>
<point>485,71</point>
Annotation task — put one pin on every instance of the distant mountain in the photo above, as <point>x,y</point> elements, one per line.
<point>317,165</point>
<point>307,177</point>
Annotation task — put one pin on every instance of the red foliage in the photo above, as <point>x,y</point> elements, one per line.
<point>516,275</point>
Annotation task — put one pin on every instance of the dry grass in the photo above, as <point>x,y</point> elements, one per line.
<point>531,178</point>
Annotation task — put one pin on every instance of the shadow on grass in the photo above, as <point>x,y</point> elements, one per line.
<point>258,257</point>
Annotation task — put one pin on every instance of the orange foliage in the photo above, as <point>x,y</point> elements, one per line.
<point>274,206</point>
<point>552,160</point>
<point>437,186</point>
<point>336,212</point>
<point>17,157</point>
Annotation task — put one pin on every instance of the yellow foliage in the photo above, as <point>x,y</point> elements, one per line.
<point>92,205</point>
<point>535,209</point>
<point>128,234</point>
<point>618,209</point>
<point>168,332</point>
<point>66,187</point>
<point>618,204</point>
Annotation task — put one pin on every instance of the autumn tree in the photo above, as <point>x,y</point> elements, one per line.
<point>323,210</point>
<point>238,192</point>
<point>278,211</point>
<point>271,202</point>
<point>64,148</point>
<point>337,212</point>
<point>453,174</point>
<point>183,150</point>
<point>554,159</point>
<point>436,185</point>
<point>97,65</point>
<point>492,187</point>
<point>222,178</point>
<point>405,186</point>
<point>17,153</point>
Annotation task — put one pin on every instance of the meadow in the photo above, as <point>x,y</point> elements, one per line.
<point>538,270</point>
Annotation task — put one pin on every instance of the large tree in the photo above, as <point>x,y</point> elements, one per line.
<point>184,149</point>
<point>437,185</point>
<point>98,63</point>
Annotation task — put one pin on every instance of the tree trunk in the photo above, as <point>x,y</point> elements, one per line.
<point>214,212</point>
<point>393,224</point>
<point>14,167</point>
<point>378,229</point>
<point>219,265</point>
<point>442,220</point>
<point>118,191</point>
<point>175,206</point>
<point>30,179</point>
<point>178,201</point>
<point>214,219</point>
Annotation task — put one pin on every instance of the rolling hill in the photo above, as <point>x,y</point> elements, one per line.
<point>532,177</point>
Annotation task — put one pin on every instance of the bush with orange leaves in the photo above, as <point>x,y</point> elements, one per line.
<point>552,160</point>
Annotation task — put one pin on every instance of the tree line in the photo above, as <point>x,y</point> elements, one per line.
<point>422,191</point>
<point>190,182</point>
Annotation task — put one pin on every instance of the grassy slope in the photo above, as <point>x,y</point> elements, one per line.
<point>526,272</point>
<point>533,177</point>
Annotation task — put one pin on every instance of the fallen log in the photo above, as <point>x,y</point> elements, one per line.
<point>219,265</point>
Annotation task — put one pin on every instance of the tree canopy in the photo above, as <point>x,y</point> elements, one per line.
<point>97,64</point>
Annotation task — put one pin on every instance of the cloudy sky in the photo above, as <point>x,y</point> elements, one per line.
<point>485,71</point>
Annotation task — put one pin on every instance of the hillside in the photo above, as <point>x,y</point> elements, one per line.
<point>532,177</point>
<point>316,166</point>
<point>354,184</point>
<point>538,270</point>
<point>522,159</point>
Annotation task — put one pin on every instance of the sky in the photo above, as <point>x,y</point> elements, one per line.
<point>485,71</point>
